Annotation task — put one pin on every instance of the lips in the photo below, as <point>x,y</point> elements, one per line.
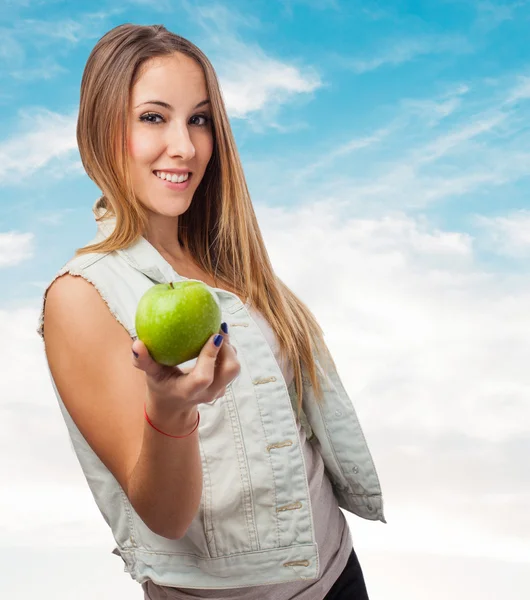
<point>155,174</point>
<point>175,186</point>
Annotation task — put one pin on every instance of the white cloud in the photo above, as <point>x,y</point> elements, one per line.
<point>430,347</point>
<point>254,89</point>
<point>86,26</point>
<point>430,343</point>
<point>328,158</point>
<point>434,110</point>
<point>508,234</point>
<point>521,91</point>
<point>68,29</point>
<point>405,50</point>
<point>259,83</point>
<point>11,51</point>
<point>47,69</point>
<point>446,142</point>
<point>55,218</point>
<point>493,14</point>
<point>404,165</point>
<point>220,20</point>
<point>43,136</point>
<point>254,84</point>
<point>15,248</point>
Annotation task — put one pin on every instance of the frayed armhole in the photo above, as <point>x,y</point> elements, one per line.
<point>79,271</point>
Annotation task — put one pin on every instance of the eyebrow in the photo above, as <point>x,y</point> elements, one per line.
<point>168,106</point>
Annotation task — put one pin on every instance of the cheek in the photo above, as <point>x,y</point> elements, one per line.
<point>140,146</point>
<point>207,147</point>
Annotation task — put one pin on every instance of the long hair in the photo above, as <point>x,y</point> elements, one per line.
<point>220,229</point>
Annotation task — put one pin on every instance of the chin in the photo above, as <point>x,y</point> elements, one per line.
<point>170,207</point>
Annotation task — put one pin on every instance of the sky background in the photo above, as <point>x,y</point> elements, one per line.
<point>386,149</point>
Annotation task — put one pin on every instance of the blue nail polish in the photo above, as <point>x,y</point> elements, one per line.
<point>218,339</point>
<point>136,355</point>
<point>224,327</point>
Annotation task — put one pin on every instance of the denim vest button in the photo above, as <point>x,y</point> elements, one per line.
<point>338,413</point>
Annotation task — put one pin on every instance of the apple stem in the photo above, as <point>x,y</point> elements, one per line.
<point>171,284</point>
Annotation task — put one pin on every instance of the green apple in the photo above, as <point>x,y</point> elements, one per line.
<point>174,320</point>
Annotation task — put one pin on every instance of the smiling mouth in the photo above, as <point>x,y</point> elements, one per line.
<point>177,187</point>
<point>169,180</point>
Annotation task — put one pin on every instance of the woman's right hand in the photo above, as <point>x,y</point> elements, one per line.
<point>176,390</point>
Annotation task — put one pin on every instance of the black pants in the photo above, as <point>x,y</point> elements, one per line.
<point>350,584</point>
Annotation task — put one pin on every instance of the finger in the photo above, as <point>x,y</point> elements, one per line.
<point>227,368</point>
<point>227,336</point>
<point>143,360</point>
<point>204,370</point>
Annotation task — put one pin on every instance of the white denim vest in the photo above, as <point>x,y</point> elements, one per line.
<point>254,525</point>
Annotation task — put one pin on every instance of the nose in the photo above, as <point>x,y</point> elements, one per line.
<point>179,142</point>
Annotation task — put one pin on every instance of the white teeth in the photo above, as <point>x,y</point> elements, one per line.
<point>173,177</point>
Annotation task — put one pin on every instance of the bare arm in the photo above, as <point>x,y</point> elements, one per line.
<point>166,482</point>
<point>89,355</point>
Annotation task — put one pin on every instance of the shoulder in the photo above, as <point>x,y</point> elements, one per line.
<point>74,283</point>
<point>70,292</point>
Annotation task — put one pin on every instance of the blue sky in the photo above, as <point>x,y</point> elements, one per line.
<point>386,149</point>
<point>355,85</point>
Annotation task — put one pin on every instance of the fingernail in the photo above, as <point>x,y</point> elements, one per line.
<point>218,339</point>
<point>224,327</point>
<point>136,355</point>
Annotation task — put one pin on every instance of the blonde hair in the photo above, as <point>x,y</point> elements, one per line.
<point>220,229</point>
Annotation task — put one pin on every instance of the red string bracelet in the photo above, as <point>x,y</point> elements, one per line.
<point>173,436</point>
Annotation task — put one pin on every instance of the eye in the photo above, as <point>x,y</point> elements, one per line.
<point>146,116</point>
<point>206,118</point>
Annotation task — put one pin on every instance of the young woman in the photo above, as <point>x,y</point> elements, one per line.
<point>222,478</point>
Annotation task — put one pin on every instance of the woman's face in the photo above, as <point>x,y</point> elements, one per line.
<point>178,136</point>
